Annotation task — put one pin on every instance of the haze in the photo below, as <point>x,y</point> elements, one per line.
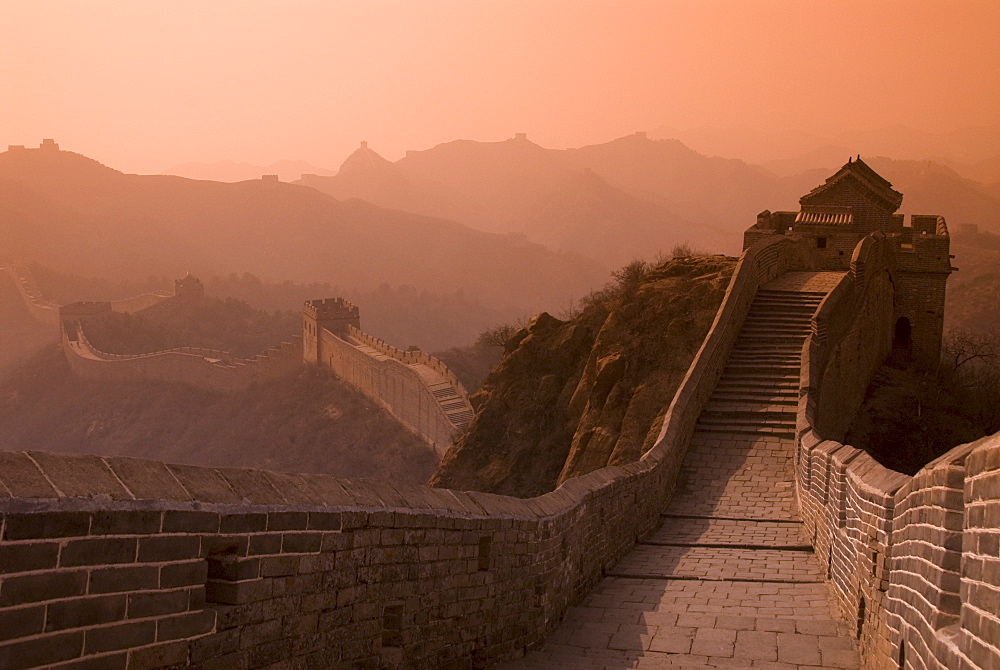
<point>143,86</point>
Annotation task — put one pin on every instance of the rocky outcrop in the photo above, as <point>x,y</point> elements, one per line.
<point>573,396</point>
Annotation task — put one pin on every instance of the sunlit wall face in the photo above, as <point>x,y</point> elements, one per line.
<point>144,85</point>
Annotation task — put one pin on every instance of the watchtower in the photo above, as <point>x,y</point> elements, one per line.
<point>333,314</point>
<point>189,288</point>
<point>853,203</point>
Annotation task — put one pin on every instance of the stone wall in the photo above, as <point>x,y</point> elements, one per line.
<point>116,562</point>
<point>394,385</point>
<point>408,357</point>
<point>40,309</point>
<point>211,370</point>
<point>913,562</point>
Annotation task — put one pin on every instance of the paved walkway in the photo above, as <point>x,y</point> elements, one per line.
<point>728,581</point>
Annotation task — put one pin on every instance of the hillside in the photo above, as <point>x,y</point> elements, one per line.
<point>573,396</point>
<point>20,335</point>
<point>309,422</point>
<point>68,211</point>
<point>972,301</point>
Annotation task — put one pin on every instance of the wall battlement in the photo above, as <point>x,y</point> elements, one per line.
<point>908,557</point>
<point>208,369</point>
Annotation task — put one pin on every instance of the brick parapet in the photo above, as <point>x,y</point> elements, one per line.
<point>208,369</point>
<point>394,385</point>
<point>906,555</point>
<point>242,568</point>
<point>409,357</point>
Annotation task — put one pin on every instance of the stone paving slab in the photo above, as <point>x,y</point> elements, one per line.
<point>715,531</point>
<point>805,281</point>
<point>719,563</point>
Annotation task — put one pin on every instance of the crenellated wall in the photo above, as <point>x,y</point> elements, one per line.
<point>206,369</point>
<point>118,562</point>
<point>913,561</point>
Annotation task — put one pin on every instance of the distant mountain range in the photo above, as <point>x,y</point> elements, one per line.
<point>513,225</point>
<point>70,212</point>
<point>631,197</point>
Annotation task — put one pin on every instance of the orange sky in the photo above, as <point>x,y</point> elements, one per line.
<point>143,85</point>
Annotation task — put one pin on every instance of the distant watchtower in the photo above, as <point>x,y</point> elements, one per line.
<point>332,314</point>
<point>189,288</point>
<point>853,203</point>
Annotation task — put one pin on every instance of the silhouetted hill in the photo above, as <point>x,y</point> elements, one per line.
<point>963,145</point>
<point>71,212</point>
<point>636,194</point>
<point>230,171</point>
<point>307,422</point>
<point>972,301</point>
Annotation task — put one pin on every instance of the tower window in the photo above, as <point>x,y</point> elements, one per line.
<point>821,243</point>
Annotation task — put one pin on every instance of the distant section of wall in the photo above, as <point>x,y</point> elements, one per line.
<point>140,302</point>
<point>398,384</point>
<point>121,563</point>
<point>207,369</point>
<point>40,309</point>
<point>913,561</point>
<point>408,357</point>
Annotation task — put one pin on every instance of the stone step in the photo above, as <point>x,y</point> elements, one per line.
<point>785,433</point>
<point>747,420</point>
<point>730,376</point>
<point>749,412</point>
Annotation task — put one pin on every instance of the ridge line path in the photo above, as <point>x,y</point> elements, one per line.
<point>728,580</point>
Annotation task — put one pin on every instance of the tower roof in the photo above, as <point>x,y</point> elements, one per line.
<point>859,176</point>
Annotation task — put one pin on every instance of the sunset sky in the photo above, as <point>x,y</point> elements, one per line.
<point>143,85</point>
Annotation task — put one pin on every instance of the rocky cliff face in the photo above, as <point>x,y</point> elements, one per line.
<point>573,396</point>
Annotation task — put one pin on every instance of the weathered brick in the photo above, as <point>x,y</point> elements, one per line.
<point>264,543</point>
<point>243,523</point>
<point>287,521</point>
<point>117,661</point>
<point>186,625</point>
<point>125,522</point>
<point>233,568</point>
<point>216,645</point>
<point>21,622</point>
<point>279,566</point>
<point>169,548</point>
<point>41,586</point>
<point>237,593</point>
<point>27,557</point>
<point>40,651</point>
<point>84,612</point>
<point>160,655</point>
<point>119,636</point>
<point>101,551</point>
<point>123,578</point>
<point>180,521</point>
<point>157,603</point>
<point>46,525</point>
<point>325,521</point>
<point>189,573</point>
<point>301,543</point>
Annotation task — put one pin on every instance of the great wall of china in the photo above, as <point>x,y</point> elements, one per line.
<point>416,388</point>
<point>715,549</point>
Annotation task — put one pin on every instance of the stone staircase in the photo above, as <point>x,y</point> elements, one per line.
<point>759,388</point>
<point>728,580</point>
